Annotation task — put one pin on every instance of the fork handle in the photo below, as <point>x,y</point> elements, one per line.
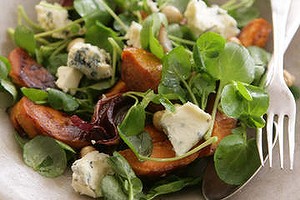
<point>279,15</point>
<point>293,22</point>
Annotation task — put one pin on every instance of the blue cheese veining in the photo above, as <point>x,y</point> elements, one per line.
<point>185,127</point>
<point>88,173</point>
<point>90,60</point>
<point>52,16</point>
<point>201,18</point>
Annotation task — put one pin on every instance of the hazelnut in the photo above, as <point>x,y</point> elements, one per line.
<point>172,13</point>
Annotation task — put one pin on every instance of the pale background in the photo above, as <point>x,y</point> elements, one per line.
<point>17,182</point>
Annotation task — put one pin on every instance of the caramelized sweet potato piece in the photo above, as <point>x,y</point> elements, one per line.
<point>141,70</point>
<point>162,148</point>
<point>32,119</point>
<point>156,135</point>
<point>26,72</point>
<point>222,127</point>
<point>256,33</point>
<point>119,87</point>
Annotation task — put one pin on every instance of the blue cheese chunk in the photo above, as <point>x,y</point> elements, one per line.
<point>133,35</point>
<point>68,79</point>
<point>185,127</point>
<point>52,16</point>
<point>201,18</point>
<point>88,173</point>
<point>90,60</point>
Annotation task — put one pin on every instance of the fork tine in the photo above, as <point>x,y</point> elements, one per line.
<point>270,119</point>
<point>259,145</point>
<point>291,138</point>
<point>280,138</point>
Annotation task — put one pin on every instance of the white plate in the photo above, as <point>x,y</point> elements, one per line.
<point>18,182</point>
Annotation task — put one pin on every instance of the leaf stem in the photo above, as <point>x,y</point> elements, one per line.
<point>196,149</point>
<point>113,14</point>
<point>22,13</point>
<point>192,95</point>
<point>60,48</point>
<point>214,110</point>
<point>49,33</point>
<point>180,40</point>
<point>114,59</point>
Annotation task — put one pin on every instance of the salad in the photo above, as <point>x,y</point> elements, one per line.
<point>133,94</point>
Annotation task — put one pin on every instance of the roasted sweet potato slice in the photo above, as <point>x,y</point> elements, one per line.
<point>119,87</point>
<point>26,72</point>
<point>141,70</point>
<point>222,127</point>
<point>162,148</point>
<point>256,33</point>
<point>32,119</point>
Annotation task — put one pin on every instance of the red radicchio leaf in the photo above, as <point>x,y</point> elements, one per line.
<point>66,2</point>
<point>108,113</point>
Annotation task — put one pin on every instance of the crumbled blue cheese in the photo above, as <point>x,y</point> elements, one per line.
<point>152,6</point>
<point>90,60</point>
<point>52,16</point>
<point>68,79</point>
<point>185,127</point>
<point>88,173</point>
<point>201,18</point>
<point>133,35</point>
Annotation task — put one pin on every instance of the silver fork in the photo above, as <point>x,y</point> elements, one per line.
<point>282,103</point>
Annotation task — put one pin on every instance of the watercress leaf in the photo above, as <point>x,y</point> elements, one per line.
<point>176,70</point>
<point>172,90</point>
<point>233,64</point>
<point>151,27</point>
<point>253,121</point>
<point>65,147</point>
<point>36,95</point>
<point>61,101</point>
<point>243,91</point>
<point>53,62</point>
<point>102,85</point>
<point>179,4</point>
<point>24,38</point>
<point>155,47</point>
<point>45,156</point>
<point>234,105</point>
<point>9,87</point>
<point>237,4</point>
<point>261,59</point>
<point>202,85</point>
<point>127,19</point>
<point>129,6</point>
<point>4,67</point>
<point>131,184</point>
<point>70,152</point>
<point>295,91</point>
<point>260,56</point>
<point>244,15</point>
<point>236,159</point>
<point>163,100</point>
<point>170,185</point>
<point>134,121</point>
<point>148,97</point>
<point>175,30</point>
<point>208,46</point>
<point>92,11</point>
<point>98,35</point>
<point>21,140</point>
<point>112,189</point>
<point>140,144</point>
